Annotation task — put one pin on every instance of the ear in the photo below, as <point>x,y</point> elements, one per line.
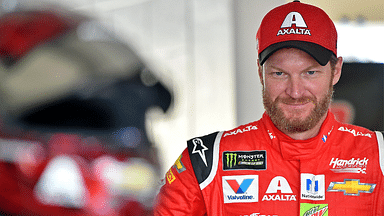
<point>338,68</point>
<point>260,70</point>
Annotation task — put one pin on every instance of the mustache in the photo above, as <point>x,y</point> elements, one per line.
<point>301,100</point>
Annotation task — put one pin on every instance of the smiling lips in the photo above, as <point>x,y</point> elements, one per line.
<point>296,102</point>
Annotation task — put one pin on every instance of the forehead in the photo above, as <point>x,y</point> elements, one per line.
<point>291,56</point>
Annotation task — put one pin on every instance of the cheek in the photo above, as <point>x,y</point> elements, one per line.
<point>273,89</point>
<point>319,89</point>
<point>269,92</point>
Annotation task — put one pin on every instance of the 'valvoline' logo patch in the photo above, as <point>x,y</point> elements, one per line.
<point>241,189</point>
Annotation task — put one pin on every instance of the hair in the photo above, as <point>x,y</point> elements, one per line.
<point>333,61</point>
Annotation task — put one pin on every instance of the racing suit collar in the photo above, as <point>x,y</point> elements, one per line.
<point>291,149</point>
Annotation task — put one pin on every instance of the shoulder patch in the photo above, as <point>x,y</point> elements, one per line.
<point>201,150</point>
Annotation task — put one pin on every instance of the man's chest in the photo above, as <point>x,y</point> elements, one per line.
<point>261,182</point>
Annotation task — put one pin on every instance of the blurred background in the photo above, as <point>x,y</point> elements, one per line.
<point>98,97</point>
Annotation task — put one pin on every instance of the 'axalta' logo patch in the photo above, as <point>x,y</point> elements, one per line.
<point>279,185</point>
<point>351,187</point>
<point>354,132</point>
<point>294,18</point>
<point>308,209</point>
<point>241,189</point>
<point>241,130</point>
<point>241,160</point>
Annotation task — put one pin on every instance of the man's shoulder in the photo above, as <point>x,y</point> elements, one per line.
<point>243,129</point>
<point>203,152</point>
<point>208,141</point>
<point>355,131</point>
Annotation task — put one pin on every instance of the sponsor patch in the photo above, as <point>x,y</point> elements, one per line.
<point>241,130</point>
<point>170,176</point>
<point>312,186</point>
<point>259,214</point>
<point>308,209</point>
<point>325,137</point>
<point>200,148</point>
<point>281,185</point>
<point>200,151</point>
<point>179,166</point>
<point>354,132</point>
<point>351,187</point>
<point>277,197</point>
<point>294,18</point>
<point>241,189</point>
<point>349,166</point>
<point>240,160</point>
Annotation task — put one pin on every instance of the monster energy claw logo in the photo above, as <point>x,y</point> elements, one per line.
<point>254,160</point>
<point>231,159</point>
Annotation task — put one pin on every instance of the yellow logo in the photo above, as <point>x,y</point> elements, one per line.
<point>351,187</point>
<point>179,165</point>
<point>170,176</point>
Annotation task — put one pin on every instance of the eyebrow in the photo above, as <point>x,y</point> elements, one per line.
<point>311,67</point>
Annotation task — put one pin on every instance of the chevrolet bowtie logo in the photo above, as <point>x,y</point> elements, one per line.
<point>351,187</point>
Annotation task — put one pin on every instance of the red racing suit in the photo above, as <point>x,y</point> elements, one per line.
<point>256,170</point>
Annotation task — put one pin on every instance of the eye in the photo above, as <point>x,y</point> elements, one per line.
<point>311,72</point>
<point>278,73</point>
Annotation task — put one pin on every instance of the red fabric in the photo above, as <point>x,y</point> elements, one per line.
<point>279,187</point>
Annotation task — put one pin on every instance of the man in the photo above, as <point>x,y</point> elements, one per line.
<point>297,159</point>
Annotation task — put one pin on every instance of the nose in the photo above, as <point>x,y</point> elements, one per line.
<point>295,88</point>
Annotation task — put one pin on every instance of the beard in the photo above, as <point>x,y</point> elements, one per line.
<point>292,124</point>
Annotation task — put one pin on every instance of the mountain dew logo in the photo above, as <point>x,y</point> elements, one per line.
<point>307,209</point>
<point>231,159</point>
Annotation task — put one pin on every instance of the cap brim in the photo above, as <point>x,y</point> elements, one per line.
<point>319,53</point>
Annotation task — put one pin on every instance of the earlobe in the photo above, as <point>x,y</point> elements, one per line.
<point>338,68</point>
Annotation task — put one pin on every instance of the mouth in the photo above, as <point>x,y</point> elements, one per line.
<point>300,102</point>
<point>297,106</point>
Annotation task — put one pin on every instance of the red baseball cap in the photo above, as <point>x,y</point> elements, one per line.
<point>300,26</point>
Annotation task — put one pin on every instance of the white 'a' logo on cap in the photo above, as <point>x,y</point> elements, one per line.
<point>294,18</point>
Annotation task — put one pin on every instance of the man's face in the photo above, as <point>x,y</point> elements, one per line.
<point>297,90</point>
